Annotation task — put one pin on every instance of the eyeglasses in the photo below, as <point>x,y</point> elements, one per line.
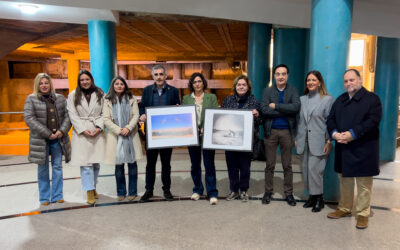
<point>280,74</point>
<point>158,74</point>
<point>197,82</point>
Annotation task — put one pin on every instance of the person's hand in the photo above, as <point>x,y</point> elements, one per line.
<point>327,147</point>
<point>59,134</point>
<point>52,137</point>
<point>272,105</point>
<point>255,113</point>
<point>142,118</point>
<point>124,132</point>
<point>346,136</point>
<point>96,132</point>
<point>87,133</point>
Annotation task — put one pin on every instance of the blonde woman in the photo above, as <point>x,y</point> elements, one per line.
<point>121,116</point>
<point>46,115</point>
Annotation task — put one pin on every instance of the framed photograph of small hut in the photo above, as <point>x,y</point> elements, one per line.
<point>171,126</point>
<point>228,129</point>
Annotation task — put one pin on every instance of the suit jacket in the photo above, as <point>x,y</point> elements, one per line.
<point>312,127</point>
<point>171,92</point>
<point>288,109</point>
<point>209,101</point>
<point>362,114</point>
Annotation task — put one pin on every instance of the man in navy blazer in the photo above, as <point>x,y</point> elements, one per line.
<point>158,94</point>
<point>353,123</point>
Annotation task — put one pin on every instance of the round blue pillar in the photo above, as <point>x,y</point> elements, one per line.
<point>329,46</point>
<point>387,78</point>
<point>258,57</point>
<point>103,55</point>
<point>290,49</point>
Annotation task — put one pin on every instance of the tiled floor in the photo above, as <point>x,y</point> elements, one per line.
<point>185,224</point>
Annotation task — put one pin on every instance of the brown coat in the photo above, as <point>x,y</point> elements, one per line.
<point>35,115</point>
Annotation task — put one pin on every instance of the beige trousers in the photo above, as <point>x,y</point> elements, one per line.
<point>364,188</point>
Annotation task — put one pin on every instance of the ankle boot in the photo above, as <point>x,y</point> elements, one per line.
<point>90,197</point>
<point>319,204</point>
<point>310,202</point>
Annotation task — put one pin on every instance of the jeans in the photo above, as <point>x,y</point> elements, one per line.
<point>120,179</point>
<point>211,179</point>
<point>89,176</point>
<point>151,156</point>
<point>53,147</point>
<point>238,164</point>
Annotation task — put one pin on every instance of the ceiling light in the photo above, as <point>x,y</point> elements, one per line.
<point>28,8</point>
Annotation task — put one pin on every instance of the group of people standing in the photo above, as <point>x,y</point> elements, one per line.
<point>309,122</point>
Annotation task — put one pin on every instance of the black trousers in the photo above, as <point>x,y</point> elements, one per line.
<point>152,155</point>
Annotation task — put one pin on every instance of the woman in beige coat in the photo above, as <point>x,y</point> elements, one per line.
<point>85,105</point>
<point>121,116</point>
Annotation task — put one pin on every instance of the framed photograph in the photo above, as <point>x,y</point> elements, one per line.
<point>228,129</point>
<point>171,126</point>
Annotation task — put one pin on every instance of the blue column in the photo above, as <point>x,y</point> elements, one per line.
<point>387,78</point>
<point>103,56</point>
<point>329,45</point>
<point>258,57</point>
<point>290,49</point>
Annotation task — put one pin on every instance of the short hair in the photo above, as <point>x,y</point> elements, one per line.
<point>318,75</point>
<point>37,80</point>
<point>158,66</point>
<point>112,94</point>
<point>239,77</point>
<point>191,80</point>
<point>354,70</point>
<point>281,66</point>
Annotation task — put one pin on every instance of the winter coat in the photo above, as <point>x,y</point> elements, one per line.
<point>114,130</point>
<point>86,116</point>
<point>35,115</point>
<point>362,113</point>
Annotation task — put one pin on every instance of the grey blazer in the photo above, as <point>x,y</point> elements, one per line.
<point>313,127</point>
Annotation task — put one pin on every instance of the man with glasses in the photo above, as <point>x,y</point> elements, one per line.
<point>158,94</point>
<point>280,105</point>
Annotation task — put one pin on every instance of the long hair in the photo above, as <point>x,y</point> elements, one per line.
<point>322,88</point>
<point>235,82</point>
<point>93,87</point>
<point>111,94</point>
<point>191,80</point>
<point>37,80</point>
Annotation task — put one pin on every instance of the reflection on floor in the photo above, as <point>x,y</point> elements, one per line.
<point>184,224</point>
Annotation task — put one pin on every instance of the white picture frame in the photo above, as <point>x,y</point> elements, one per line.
<point>171,126</point>
<point>228,129</point>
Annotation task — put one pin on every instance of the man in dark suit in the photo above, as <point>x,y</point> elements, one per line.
<point>354,123</point>
<point>158,94</point>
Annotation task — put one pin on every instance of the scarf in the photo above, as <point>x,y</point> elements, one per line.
<point>125,151</point>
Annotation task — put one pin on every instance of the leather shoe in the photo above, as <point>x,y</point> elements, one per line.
<point>310,202</point>
<point>147,195</point>
<point>168,196</point>
<point>290,200</point>
<point>362,222</point>
<point>266,198</point>
<point>338,214</point>
<point>319,204</point>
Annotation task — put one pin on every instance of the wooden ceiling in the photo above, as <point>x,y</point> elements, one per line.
<point>140,37</point>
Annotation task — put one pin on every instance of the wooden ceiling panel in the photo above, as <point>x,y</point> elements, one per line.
<point>144,36</point>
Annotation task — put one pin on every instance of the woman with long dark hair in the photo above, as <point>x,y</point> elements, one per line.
<point>121,116</point>
<point>46,115</point>
<point>312,139</point>
<point>85,105</point>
